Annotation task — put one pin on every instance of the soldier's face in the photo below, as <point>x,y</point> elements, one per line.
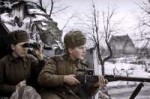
<point>19,50</point>
<point>78,52</point>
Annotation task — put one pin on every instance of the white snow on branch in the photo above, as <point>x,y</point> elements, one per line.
<point>40,18</point>
<point>35,11</point>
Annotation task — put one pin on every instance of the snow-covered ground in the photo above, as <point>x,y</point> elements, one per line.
<point>124,69</point>
<point>125,92</point>
<point>124,89</point>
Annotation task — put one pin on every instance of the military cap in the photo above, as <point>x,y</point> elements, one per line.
<point>18,37</point>
<point>74,39</point>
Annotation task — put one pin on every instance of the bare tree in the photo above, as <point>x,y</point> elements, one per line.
<point>144,21</point>
<point>53,8</point>
<point>144,26</point>
<point>97,33</point>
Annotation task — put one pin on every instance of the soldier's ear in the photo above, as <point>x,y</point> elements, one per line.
<point>70,50</point>
<point>12,46</point>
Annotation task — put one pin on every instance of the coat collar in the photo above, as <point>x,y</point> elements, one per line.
<point>67,57</point>
<point>15,59</point>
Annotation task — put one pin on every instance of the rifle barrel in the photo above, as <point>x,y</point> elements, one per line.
<point>123,78</point>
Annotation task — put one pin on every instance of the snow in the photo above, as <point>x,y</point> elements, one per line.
<point>59,44</point>
<point>44,24</point>
<point>134,70</point>
<point>14,3</point>
<point>125,69</point>
<point>10,27</point>
<point>44,28</point>
<point>13,28</point>
<point>140,73</point>
<point>121,83</point>
<point>9,21</point>
<point>27,20</point>
<point>40,18</point>
<point>141,43</point>
<point>5,17</point>
<point>35,11</point>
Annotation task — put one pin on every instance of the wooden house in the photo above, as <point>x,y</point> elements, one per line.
<point>122,45</point>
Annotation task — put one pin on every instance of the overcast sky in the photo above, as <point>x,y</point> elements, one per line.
<point>125,9</point>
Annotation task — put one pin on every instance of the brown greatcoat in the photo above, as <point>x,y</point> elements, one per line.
<point>52,75</point>
<point>13,70</point>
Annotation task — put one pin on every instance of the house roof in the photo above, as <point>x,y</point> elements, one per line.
<point>120,38</point>
<point>119,41</point>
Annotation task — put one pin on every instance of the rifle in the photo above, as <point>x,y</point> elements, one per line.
<point>124,78</point>
<point>89,77</point>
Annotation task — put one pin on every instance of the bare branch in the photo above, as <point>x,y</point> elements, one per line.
<point>145,8</point>
<point>68,20</point>
<point>52,7</point>
<point>40,6</point>
<point>110,52</point>
<point>108,27</point>
<point>62,9</point>
<point>40,2</point>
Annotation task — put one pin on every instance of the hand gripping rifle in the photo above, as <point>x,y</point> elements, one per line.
<point>87,79</point>
<point>87,76</point>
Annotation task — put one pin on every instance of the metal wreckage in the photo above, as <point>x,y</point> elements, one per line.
<point>87,79</point>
